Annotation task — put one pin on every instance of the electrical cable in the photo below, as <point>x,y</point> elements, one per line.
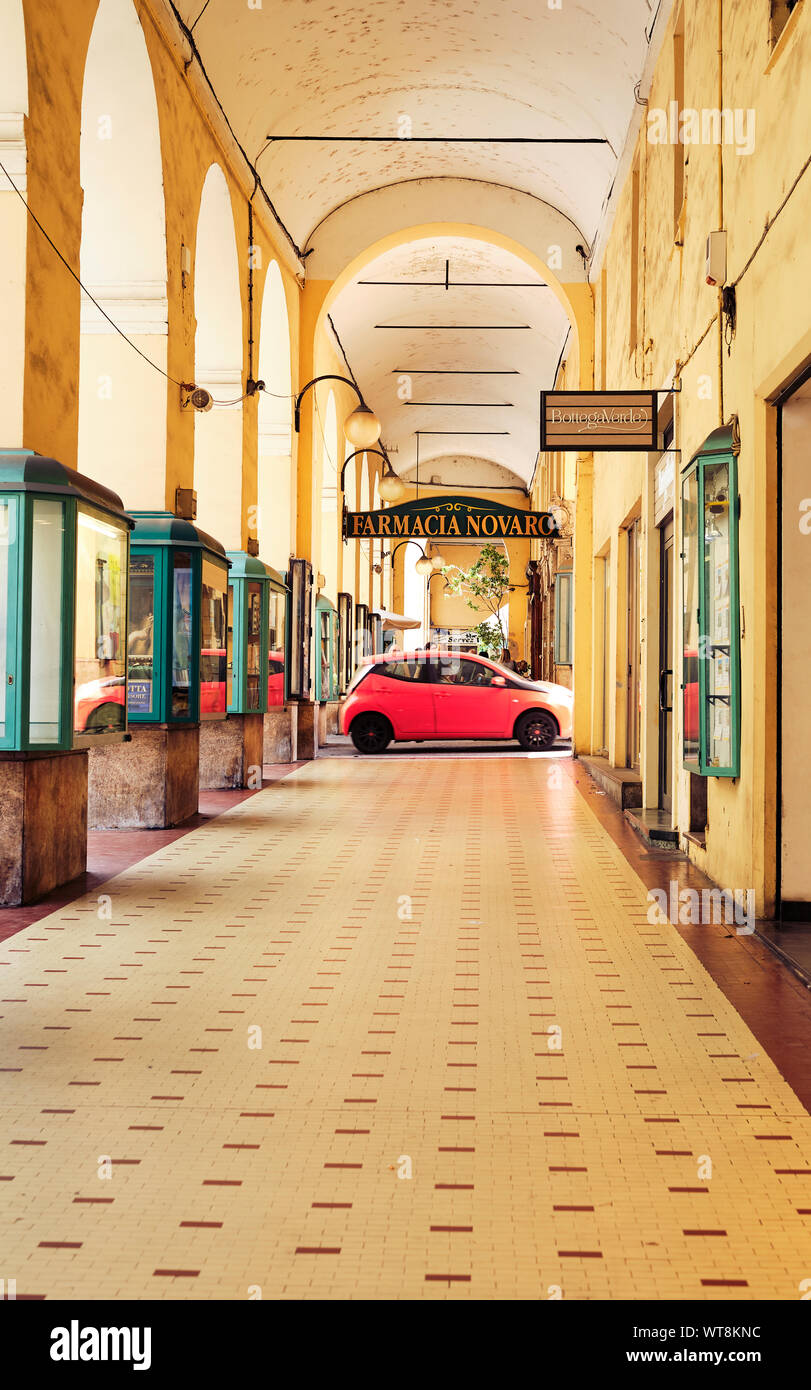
<point>82,286</point>
<point>200,16</point>
<point>149,361</point>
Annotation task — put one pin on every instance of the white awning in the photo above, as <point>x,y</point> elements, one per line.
<point>396,622</point>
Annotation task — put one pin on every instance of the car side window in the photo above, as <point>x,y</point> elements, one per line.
<point>462,672</point>
<point>401,670</point>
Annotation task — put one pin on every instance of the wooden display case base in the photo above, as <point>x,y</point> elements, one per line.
<point>43,823</point>
<point>281,730</point>
<point>309,718</point>
<point>231,751</point>
<point>150,783</point>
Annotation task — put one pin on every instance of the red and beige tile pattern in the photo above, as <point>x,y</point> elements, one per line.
<point>397,1028</point>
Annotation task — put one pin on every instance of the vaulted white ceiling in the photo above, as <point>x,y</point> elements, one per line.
<point>463,68</point>
<point>461,365</point>
<point>559,70</point>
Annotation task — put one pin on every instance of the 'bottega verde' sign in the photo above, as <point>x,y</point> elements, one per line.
<point>433,518</point>
<point>607,420</point>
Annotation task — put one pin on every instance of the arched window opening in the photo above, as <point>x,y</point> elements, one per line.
<point>218,365</point>
<point>275,482</point>
<point>122,399</point>
<point>13,220</point>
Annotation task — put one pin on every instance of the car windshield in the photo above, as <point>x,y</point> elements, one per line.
<point>515,678</point>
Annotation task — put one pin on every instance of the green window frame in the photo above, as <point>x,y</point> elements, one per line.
<point>159,557</point>
<point>564,590</point>
<point>711,672</point>
<point>67,616</point>
<point>9,606</point>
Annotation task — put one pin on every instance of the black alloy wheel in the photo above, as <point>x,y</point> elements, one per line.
<point>536,731</point>
<point>371,733</point>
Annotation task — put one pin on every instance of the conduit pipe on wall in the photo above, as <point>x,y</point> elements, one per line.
<point>164,17</point>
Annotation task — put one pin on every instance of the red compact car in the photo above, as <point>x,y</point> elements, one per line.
<point>448,695</point>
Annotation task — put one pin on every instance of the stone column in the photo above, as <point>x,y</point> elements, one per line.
<point>150,783</point>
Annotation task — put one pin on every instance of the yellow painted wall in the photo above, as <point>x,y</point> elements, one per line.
<point>678,326</point>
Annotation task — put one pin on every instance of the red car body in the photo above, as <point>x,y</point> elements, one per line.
<point>451,695</point>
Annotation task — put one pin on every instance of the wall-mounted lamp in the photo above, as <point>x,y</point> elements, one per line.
<point>362,428</point>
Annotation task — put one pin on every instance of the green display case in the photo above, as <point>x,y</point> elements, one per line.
<point>327,650</point>
<point>177,648</point>
<point>564,617</point>
<point>64,544</point>
<point>345,654</point>
<point>361,636</point>
<point>255,640</point>
<point>711,648</point>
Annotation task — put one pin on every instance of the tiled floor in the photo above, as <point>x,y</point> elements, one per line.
<point>392,1028</point>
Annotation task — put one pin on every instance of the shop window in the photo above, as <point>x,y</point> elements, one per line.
<point>564,591</point>
<point>276,648</point>
<point>253,657</point>
<point>101,585</point>
<point>182,634</point>
<point>711,651</point>
<point>141,642</point>
<point>8,565</point>
<point>47,548</point>
<point>213,654</point>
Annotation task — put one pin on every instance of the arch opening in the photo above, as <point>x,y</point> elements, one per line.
<point>13,221</point>
<point>275,480</point>
<point>122,399</point>
<point>218,358</point>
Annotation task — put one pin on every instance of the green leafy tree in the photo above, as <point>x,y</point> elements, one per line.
<point>485,585</point>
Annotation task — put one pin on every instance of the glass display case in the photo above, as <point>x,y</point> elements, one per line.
<point>326,674</point>
<point>255,637</point>
<point>278,606</point>
<point>711,651</point>
<point>345,666</point>
<point>64,542</point>
<point>361,634</point>
<point>300,629</point>
<point>375,633</point>
<point>564,608</point>
<point>177,655</point>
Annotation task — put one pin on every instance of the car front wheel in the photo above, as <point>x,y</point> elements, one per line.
<point>371,733</point>
<point>536,730</point>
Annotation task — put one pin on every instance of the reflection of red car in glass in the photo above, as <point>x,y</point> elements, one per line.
<point>691,696</point>
<point>275,679</point>
<point>97,706</point>
<point>98,703</point>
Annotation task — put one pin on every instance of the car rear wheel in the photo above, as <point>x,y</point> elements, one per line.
<point>371,733</point>
<point>536,730</point>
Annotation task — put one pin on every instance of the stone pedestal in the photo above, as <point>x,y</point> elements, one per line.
<point>231,751</point>
<point>150,783</point>
<point>308,721</point>
<point>281,729</point>
<point>43,823</point>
